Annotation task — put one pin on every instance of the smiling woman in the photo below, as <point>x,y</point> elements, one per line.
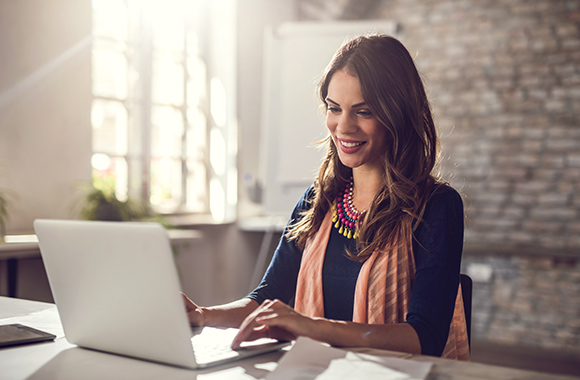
<point>372,252</point>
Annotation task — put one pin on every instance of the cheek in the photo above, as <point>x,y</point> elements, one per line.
<point>330,124</point>
<point>380,133</point>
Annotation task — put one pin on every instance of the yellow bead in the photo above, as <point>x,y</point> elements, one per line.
<point>341,229</point>
<point>349,234</point>
<point>336,224</point>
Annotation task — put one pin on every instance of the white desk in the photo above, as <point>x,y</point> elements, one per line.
<point>61,360</point>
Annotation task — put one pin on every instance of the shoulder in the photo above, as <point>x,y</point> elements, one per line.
<point>438,238</point>
<point>305,201</point>
<point>443,192</point>
<point>443,209</point>
<point>443,199</point>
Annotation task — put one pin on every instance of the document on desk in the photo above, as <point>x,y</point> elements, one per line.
<point>311,360</point>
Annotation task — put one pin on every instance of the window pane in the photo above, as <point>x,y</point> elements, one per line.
<point>110,19</point>
<point>165,183</point>
<point>166,131</point>
<point>109,121</point>
<point>109,73</point>
<point>168,78</point>
<point>167,21</point>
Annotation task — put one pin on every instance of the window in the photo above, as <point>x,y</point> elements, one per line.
<point>156,132</point>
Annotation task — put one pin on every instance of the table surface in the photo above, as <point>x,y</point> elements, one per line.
<point>62,360</point>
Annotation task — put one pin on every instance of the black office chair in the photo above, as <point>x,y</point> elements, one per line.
<point>467,290</point>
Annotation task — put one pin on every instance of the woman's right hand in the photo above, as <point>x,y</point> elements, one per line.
<point>195,313</point>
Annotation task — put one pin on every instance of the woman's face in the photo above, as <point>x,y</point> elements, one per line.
<point>358,136</point>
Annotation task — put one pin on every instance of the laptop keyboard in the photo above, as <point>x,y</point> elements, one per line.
<point>215,346</point>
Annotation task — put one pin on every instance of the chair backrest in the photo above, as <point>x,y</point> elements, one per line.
<point>467,290</point>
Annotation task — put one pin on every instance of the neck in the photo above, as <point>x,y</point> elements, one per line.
<point>366,185</point>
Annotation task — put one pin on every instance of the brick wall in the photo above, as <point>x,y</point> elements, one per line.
<point>503,77</point>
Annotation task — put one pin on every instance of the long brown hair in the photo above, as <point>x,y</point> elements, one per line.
<point>393,90</point>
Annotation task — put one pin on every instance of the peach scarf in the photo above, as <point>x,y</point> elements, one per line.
<point>382,292</point>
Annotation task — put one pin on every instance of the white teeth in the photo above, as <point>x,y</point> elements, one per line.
<point>350,145</point>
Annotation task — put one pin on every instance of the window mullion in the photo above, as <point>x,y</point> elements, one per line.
<point>145,89</point>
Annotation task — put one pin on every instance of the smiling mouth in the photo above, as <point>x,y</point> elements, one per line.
<point>350,144</point>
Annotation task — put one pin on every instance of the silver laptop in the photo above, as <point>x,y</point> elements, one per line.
<point>116,289</point>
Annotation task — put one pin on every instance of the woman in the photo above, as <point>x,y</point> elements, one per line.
<point>371,256</point>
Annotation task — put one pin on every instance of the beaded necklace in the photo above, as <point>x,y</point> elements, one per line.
<point>345,216</point>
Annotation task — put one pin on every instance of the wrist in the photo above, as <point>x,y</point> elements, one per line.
<point>203,315</point>
<point>336,333</point>
<point>317,329</point>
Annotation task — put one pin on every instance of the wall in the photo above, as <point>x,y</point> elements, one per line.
<point>504,81</point>
<point>253,17</point>
<point>45,99</point>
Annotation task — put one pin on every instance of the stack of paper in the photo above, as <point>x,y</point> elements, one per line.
<point>311,360</point>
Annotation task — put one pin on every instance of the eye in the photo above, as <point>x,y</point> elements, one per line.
<point>333,110</point>
<point>364,113</point>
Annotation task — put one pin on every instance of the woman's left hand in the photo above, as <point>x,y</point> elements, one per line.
<point>273,319</point>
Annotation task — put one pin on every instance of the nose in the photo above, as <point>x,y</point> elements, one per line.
<point>346,124</point>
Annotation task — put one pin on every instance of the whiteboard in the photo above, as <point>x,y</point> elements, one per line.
<point>295,56</point>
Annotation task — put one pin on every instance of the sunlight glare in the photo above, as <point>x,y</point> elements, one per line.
<point>217,151</point>
<point>217,202</point>
<point>100,161</point>
<point>218,102</point>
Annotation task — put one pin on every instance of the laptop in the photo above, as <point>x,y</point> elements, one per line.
<point>116,289</point>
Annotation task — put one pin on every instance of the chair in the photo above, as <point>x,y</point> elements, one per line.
<point>467,290</point>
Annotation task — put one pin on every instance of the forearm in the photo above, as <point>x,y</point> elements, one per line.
<point>395,337</point>
<point>228,315</point>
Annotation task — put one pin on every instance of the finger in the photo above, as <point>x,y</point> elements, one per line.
<point>250,329</point>
<point>189,304</point>
<point>250,335</point>
<point>194,313</point>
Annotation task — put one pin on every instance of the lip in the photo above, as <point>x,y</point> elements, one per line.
<point>350,150</point>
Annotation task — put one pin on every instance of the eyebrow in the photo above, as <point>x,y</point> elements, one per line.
<point>353,106</point>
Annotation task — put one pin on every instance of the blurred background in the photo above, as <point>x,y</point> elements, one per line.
<point>161,104</point>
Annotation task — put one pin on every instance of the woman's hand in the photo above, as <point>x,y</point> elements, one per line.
<point>273,319</point>
<point>195,313</point>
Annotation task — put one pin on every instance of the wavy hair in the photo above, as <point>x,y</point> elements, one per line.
<point>394,92</point>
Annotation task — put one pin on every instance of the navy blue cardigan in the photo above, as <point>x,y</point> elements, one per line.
<point>437,248</point>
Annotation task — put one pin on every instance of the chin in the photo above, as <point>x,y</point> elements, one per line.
<point>351,164</point>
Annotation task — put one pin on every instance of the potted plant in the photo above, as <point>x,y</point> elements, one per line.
<point>101,203</point>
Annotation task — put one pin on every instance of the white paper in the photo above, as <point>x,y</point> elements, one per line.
<point>356,367</point>
<point>311,360</point>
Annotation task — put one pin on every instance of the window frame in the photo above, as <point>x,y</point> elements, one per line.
<point>220,66</point>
